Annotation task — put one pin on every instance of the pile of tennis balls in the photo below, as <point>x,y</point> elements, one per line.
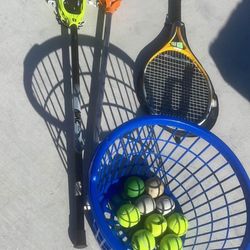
<point>148,216</point>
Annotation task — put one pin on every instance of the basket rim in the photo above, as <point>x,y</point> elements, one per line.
<point>161,120</point>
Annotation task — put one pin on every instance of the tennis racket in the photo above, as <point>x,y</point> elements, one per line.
<point>174,82</point>
<point>71,13</point>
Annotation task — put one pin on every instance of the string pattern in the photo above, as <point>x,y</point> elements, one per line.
<point>175,86</point>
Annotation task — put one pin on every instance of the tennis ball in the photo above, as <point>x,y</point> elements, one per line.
<point>128,215</point>
<point>164,205</point>
<point>154,187</point>
<point>170,242</point>
<point>145,204</point>
<point>134,186</point>
<point>156,224</point>
<point>177,224</point>
<point>143,240</point>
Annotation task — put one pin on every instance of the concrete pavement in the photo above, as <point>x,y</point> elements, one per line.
<point>34,202</point>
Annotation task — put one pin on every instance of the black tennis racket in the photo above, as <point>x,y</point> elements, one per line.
<point>174,82</point>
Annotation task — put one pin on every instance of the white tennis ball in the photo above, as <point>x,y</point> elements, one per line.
<point>164,205</point>
<point>145,204</point>
<point>154,187</point>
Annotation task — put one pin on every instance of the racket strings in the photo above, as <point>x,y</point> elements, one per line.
<point>175,86</point>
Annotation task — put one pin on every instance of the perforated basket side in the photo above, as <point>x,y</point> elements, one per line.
<point>202,173</point>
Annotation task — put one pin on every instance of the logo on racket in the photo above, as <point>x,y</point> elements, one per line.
<point>178,45</point>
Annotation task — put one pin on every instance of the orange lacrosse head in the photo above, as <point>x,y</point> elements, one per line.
<point>110,5</point>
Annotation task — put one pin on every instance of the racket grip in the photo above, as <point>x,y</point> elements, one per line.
<point>174,10</point>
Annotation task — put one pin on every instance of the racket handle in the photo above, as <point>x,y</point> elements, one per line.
<point>174,10</point>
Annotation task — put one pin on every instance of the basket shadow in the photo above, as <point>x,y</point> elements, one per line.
<point>47,83</point>
<point>230,50</point>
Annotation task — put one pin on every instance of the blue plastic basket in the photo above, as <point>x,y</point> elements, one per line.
<point>207,180</point>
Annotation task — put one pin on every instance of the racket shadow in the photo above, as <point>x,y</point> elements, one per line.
<point>47,84</point>
<point>230,50</point>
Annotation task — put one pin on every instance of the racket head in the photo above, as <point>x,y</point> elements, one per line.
<point>174,83</point>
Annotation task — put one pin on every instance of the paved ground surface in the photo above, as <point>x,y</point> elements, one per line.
<point>34,207</point>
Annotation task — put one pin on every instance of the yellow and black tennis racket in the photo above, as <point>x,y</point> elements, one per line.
<point>173,81</point>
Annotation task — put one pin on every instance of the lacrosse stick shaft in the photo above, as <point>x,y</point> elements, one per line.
<point>102,77</point>
<point>80,234</point>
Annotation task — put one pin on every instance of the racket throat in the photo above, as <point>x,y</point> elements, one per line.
<point>178,34</point>
<point>178,39</point>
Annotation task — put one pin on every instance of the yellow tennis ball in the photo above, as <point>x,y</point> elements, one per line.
<point>154,187</point>
<point>177,224</point>
<point>143,240</point>
<point>170,242</point>
<point>156,224</point>
<point>134,187</point>
<point>128,215</point>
